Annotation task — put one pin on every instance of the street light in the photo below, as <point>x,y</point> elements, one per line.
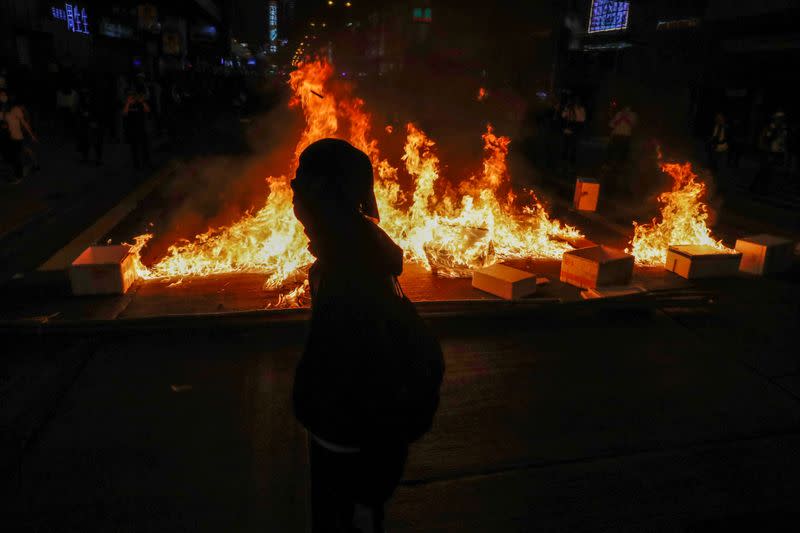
<point>348,4</point>
<point>330,2</point>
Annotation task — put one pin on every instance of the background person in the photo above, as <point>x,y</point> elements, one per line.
<point>573,118</point>
<point>136,111</point>
<point>13,124</point>
<point>622,125</point>
<point>772,148</point>
<point>90,128</point>
<point>718,142</point>
<point>66,105</point>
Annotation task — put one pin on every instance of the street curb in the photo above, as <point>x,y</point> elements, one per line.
<point>440,311</point>
<point>62,259</point>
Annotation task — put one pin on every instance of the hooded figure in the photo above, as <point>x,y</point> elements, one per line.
<point>334,200</point>
<point>360,344</point>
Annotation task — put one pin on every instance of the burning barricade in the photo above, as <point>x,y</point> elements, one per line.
<point>450,233</point>
<point>450,230</point>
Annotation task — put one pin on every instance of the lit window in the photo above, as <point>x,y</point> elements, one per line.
<point>608,15</point>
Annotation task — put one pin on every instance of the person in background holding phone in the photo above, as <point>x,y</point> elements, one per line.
<point>135,112</point>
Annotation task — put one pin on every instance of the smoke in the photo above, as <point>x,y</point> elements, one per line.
<point>213,191</point>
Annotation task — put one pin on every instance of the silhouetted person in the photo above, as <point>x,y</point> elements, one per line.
<point>135,112</point>
<point>736,133</point>
<point>13,126</point>
<point>66,104</point>
<point>367,383</point>
<point>772,148</point>
<point>574,119</point>
<point>90,127</point>
<point>718,142</point>
<point>622,125</point>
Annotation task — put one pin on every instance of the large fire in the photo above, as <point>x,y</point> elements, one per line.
<point>448,229</point>
<point>682,219</point>
<point>480,222</point>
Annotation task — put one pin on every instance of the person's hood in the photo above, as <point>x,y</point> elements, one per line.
<point>332,194</point>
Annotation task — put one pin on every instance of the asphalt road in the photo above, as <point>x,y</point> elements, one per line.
<point>568,419</point>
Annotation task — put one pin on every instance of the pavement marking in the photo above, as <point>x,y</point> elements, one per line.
<point>63,258</point>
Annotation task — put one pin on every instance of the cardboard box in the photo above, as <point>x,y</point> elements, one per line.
<point>765,254</point>
<point>504,281</point>
<point>596,266</point>
<point>102,270</point>
<point>587,191</point>
<point>692,261</point>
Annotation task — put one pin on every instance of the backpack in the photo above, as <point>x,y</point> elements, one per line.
<point>385,389</point>
<point>416,364</point>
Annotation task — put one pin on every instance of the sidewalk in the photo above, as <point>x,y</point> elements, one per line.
<point>50,207</point>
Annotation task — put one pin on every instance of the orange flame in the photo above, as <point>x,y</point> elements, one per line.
<point>682,219</point>
<point>449,233</point>
<point>482,94</point>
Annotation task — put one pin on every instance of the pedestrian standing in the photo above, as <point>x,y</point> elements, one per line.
<point>27,144</point>
<point>622,126</point>
<point>90,129</point>
<point>66,106</point>
<point>772,148</point>
<point>717,146</point>
<point>367,384</point>
<point>573,118</point>
<point>736,141</point>
<point>135,112</point>
<point>13,124</point>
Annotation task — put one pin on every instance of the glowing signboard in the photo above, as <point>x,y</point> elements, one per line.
<point>74,16</point>
<point>608,15</point>
<point>272,18</point>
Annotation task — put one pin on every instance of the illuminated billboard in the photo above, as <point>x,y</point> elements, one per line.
<point>608,15</point>
<point>75,17</point>
<point>272,18</point>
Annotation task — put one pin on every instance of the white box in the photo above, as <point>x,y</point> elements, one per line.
<point>596,266</point>
<point>765,254</point>
<point>693,261</point>
<point>587,191</point>
<point>102,270</point>
<point>504,281</point>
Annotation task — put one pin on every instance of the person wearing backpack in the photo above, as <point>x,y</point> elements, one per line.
<point>13,124</point>
<point>367,384</point>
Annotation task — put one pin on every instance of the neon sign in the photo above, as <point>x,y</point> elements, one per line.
<point>272,18</point>
<point>74,16</point>
<point>608,15</point>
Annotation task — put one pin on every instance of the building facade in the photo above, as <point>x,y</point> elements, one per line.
<point>111,36</point>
